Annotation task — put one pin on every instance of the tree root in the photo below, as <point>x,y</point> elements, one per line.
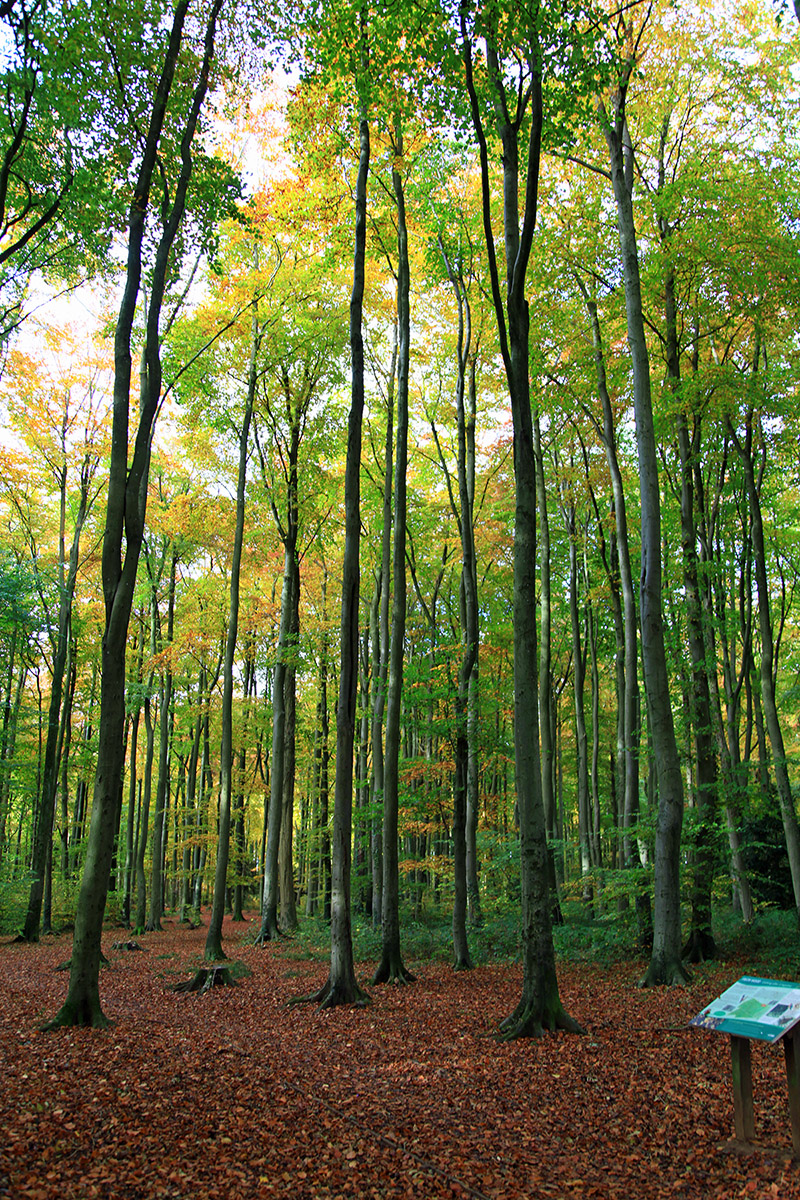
<point>66,966</point>
<point>661,973</point>
<point>269,932</point>
<point>331,995</point>
<point>528,1020</point>
<point>393,970</point>
<point>85,1014</point>
<point>700,947</point>
<point>205,979</point>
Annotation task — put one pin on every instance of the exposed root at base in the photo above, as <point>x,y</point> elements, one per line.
<point>672,974</point>
<point>85,1015</point>
<point>528,1021</point>
<point>207,978</point>
<point>700,947</point>
<point>332,995</point>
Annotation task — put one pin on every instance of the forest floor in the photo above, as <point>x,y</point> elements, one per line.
<point>236,1095</point>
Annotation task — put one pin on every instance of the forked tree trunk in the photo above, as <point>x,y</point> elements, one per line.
<point>540,1006</point>
<point>127,498</point>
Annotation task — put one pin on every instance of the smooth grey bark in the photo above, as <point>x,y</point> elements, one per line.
<point>323,722</point>
<point>279,868</point>
<point>700,944</point>
<point>341,986</point>
<point>627,660</point>
<point>286,887</point>
<point>380,644</point>
<point>595,843</point>
<point>731,782</point>
<point>376,743</point>
<point>462,959</point>
<point>213,947</point>
<point>579,698</point>
<point>63,824</point>
<point>68,572</point>
<point>125,513</point>
<point>546,699</point>
<point>665,962</point>
<point>362,829</point>
<point>269,914</point>
<point>11,706</point>
<point>391,968</point>
<point>190,806</point>
<point>164,744</point>
<point>130,843</point>
<point>239,808</point>
<point>147,788</point>
<point>744,445</point>
<point>540,1006</point>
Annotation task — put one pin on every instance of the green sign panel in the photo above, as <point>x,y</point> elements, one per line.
<point>753,1008</point>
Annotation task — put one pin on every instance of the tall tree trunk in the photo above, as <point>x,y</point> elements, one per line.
<point>127,498</point>
<point>162,785</point>
<point>391,968</point>
<point>213,947</point>
<point>341,986</point>
<point>540,1006</point>
<point>579,695</point>
<point>380,675</point>
<point>144,817</point>
<point>469,622</point>
<point>43,838</point>
<point>130,843</point>
<point>286,888</point>
<point>744,447</point>
<point>730,780</point>
<point>665,963</point>
<point>627,666</point>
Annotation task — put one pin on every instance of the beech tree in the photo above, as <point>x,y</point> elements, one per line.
<point>665,964</point>
<point>516,99</point>
<point>56,405</point>
<point>127,495</point>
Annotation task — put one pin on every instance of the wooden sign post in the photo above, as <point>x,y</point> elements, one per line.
<point>765,1010</point>
<point>744,1119</point>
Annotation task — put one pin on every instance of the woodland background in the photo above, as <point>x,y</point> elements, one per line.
<point>252,427</point>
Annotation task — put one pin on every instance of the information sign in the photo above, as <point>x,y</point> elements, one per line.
<point>765,1009</point>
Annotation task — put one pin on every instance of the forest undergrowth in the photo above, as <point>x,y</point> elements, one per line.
<point>237,1093</point>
